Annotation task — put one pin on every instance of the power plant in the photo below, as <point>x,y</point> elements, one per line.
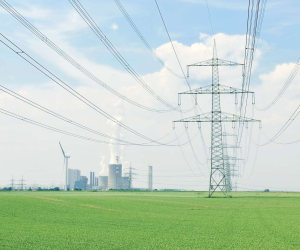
<point>115,179</point>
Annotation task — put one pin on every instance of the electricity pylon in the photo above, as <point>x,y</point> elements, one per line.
<point>218,178</point>
<point>230,168</point>
<point>12,182</point>
<point>130,176</point>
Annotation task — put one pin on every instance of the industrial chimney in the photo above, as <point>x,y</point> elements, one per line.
<point>150,177</point>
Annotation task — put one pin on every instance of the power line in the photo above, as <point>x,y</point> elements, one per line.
<point>212,30</point>
<point>22,118</point>
<point>186,79</point>
<point>143,39</point>
<point>64,55</point>
<point>104,39</point>
<point>256,154</point>
<point>52,113</point>
<point>33,104</point>
<point>284,88</point>
<point>283,128</point>
<point>251,36</point>
<point>65,86</point>
<point>172,44</point>
<point>183,155</point>
<point>36,32</point>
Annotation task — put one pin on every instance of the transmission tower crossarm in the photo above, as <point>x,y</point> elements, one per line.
<point>233,158</point>
<point>222,117</point>
<point>221,90</point>
<point>230,146</point>
<point>215,62</point>
<point>228,134</point>
<point>227,157</point>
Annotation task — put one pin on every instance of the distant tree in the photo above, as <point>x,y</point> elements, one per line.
<point>56,189</point>
<point>39,189</point>
<point>29,189</point>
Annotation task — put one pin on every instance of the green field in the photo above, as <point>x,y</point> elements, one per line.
<point>148,220</point>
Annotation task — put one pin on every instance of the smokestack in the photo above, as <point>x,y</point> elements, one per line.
<point>150,177</point>
<point>92,179</point>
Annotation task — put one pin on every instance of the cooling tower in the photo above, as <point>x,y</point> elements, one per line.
<point>115,176</point>
<point>103,182</point>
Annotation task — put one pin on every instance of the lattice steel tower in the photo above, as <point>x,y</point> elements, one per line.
<point>218,159</point>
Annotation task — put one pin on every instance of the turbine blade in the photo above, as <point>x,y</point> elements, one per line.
<point>62,150</point>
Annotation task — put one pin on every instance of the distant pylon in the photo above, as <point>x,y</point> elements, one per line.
<point>130,175</point>
<point>12,182</point>
<point>22,183</point>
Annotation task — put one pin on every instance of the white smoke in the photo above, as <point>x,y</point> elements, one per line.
<point>103,165</point>
<point>116,150</point>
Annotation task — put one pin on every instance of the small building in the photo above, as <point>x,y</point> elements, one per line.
<point>126,184</point>
<point>103,182</point>
<point>73,176</point>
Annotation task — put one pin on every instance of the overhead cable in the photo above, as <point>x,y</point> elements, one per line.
<point>284,88</point>
<point>252,31</point>
<point>65,86</point>
<point>187,82</point>
<point>24,119</point>
<point>64,55</point>
<point>212,30</point>
<point>186,79</point>
<point>104,39</point>
<point>283,128</point>
<point>67,120</point>
<point>143,39</point>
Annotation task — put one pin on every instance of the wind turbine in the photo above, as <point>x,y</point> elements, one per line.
<point>66,157</point>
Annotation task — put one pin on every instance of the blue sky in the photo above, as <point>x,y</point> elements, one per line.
<point>186,20</point>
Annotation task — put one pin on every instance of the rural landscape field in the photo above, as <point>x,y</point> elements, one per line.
<point>149,220</point>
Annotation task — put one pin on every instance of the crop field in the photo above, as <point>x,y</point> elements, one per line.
<point>149,220</point>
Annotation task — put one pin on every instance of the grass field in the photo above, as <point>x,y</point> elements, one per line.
<point>148,220</point>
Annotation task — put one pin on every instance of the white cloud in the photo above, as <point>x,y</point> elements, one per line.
<point>203,36</point>
<point>114,26</point>
<point>35,141</point>
<point>32,12</point>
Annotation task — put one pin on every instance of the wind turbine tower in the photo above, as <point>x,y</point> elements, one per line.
<point>66,157</point>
